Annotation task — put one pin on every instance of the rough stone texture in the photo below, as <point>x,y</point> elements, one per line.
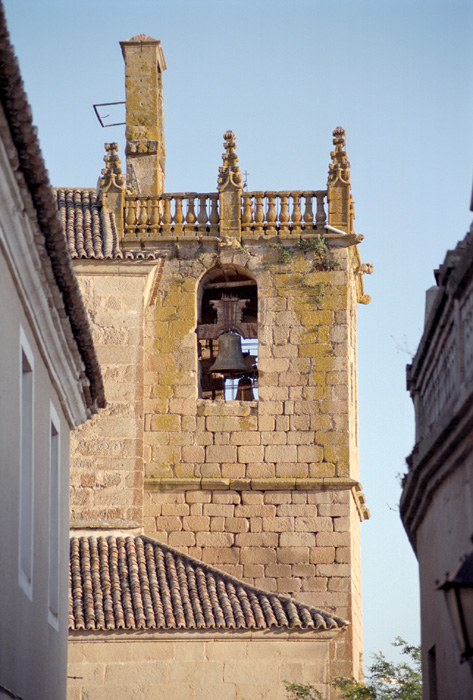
<point>144,65</point>
<point>304,426</point>
<point>107,459</point>
<point>186,666</point>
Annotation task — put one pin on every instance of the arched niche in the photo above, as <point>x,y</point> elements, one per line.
<point>221,288</point>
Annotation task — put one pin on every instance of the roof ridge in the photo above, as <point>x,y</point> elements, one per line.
<point>75,189</point>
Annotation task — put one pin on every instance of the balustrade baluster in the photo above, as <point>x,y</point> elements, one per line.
<point>202,218</point>
<point>271,216</point>
<point>284,213</point>
<point>190,218</point>
<point>259,214</point>
<point>143,217</point>
<point>308,214</point>
<point>131,217</point>
<point>153,223</point>
<point>178,216</point>
<point>167,218</point>
<point>214,215</point>
<point>296,210</point>
<point>246,217</point>
<point>320,213</point>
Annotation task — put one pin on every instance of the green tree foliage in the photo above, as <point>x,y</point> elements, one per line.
<point>294,691</point>
<point>386,680</point>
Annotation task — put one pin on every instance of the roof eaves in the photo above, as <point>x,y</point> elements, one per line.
<point>18,114</point>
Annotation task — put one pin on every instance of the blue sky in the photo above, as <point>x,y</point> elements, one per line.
<point>396,75</point>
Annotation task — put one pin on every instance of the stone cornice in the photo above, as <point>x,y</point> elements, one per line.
<point>275,484</point>
<point>202,635</point>
<point>438,454</point>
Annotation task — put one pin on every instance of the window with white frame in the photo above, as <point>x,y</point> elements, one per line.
<point>54,505</point>
<point>26,485</point>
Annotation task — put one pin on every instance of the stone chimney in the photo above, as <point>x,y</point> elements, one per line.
<point>145,152</point>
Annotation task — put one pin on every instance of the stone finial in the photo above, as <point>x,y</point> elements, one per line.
<point>229,175</point>
<point>112,178</point>
<point>339,168</point>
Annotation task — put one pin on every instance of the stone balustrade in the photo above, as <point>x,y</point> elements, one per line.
<point>277,212</point>
<point>175,214</point>
<point>190,213</point>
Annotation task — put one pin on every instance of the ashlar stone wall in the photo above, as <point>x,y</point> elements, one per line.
<point>286,541</point>
<point>197,666</point>
<point>268,489</point>
<point>304,423</point>
<point>107,451</point>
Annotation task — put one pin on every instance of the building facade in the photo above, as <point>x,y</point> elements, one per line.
<point>50,383</point>
<point>225,324</point>
<point>436,503</point>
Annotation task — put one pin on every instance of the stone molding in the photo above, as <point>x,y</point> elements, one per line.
<point>276,484</point>
<point>204,635</point>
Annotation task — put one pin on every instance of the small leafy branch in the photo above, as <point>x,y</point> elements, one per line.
<point>317,246</point>
<point>285,254</point>
<point>321,254</point>
<point>294,691</point>
<point>387,680</point>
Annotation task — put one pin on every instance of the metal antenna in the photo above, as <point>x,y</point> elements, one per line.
<point>102,117</point>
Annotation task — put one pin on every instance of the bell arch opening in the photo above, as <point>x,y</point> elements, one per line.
<point>227,334</point>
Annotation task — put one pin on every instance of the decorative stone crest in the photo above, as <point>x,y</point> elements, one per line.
<point>112,178</point>
<point>141,146</point>
<point>339,168</point>
<point>229,173</point>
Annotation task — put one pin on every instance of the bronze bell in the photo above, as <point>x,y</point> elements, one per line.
<point>245,390</point>
<point>230,359</point>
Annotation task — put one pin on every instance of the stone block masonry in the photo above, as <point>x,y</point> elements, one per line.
<point>107,452</point>
<point>267,489</point>
<point>206,664</point>
<point>282,540</point>
<point>304,423</point>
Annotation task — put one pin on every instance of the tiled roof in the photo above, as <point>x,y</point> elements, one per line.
<point>32,177</point>
<point>139,583</point>
<point>90,229</point>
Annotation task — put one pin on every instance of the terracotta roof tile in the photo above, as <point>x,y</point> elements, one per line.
<point>139,583</point>
<point>90,229</point>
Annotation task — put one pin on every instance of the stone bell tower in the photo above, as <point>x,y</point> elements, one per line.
<point>253,469</point>
<point>262,483</point>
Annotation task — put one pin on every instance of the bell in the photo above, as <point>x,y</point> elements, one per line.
<point>245,390</point>
<point>230,359</point>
